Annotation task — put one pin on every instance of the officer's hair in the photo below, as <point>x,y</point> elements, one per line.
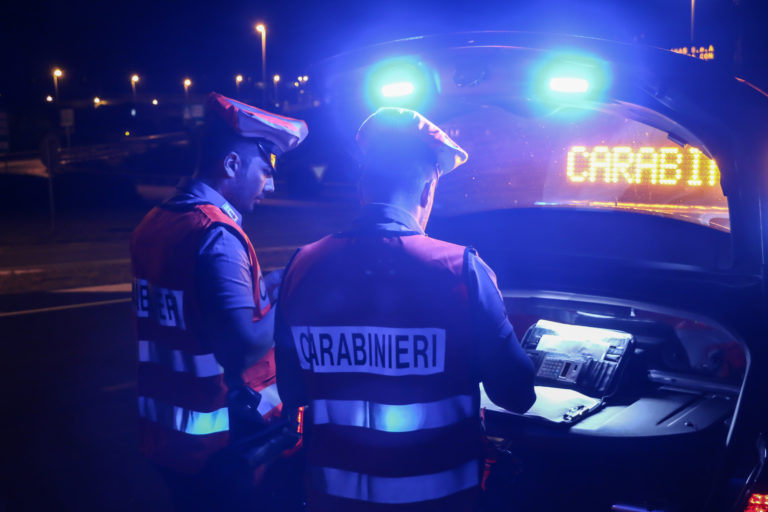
<point>397,172</point>
<point>217,140</point>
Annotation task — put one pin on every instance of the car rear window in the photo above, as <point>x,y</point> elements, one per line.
<point>592,160</point>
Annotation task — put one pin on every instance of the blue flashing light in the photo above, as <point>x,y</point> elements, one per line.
<point>400,82</point>
<point>568,85</point>
<point>397,89</point>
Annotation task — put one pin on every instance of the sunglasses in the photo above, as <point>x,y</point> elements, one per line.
<point>268,156</point>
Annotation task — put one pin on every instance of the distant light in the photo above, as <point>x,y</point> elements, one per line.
<point>701,52</point>
<point>57,73</point>
<point>49,98</point>
<point>154,102</point>
<point>127,133</point>
<point>96,100</point>
<point>135,78</point>
<point>239,78</point>
<point>295,84</point>
<point>276,78</point>
<point>569,85</point>
<point>133,112</point>
<point>306,78</point>
<point>260,28</point>
<point>397,89</point>
<point>187,82</point>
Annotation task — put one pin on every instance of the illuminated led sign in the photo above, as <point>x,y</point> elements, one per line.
<point>700,52</point>
<point>648,166</point>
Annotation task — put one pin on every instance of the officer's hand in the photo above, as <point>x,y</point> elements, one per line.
<point>272,283</point>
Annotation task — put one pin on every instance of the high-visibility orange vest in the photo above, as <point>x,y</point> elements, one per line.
<point>182,395</point>
<point>381,332</point>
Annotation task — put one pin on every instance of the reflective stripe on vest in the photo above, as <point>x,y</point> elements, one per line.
<point>269,399</point>
<point>200,365</point>
<point>184,420</point>
<point>389,490</point>
<point>393,418</point>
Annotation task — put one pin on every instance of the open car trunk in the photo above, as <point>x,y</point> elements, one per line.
<point>656,436</point>
<point>601,205</point>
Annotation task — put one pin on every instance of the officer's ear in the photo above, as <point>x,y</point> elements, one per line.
<point>232,163</point>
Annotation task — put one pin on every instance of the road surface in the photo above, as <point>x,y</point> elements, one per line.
<point>69,387</point>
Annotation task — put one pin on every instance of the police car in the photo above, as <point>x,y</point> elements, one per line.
<point>619,193</point>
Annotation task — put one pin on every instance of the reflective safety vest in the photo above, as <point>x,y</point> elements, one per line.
<point>183,416</point>
<point>381,326</point>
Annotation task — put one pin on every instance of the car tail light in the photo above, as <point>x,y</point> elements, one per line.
<point>757,503</point>
<point>300,421</point>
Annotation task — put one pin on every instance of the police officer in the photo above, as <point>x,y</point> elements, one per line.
<point>203,314</point>
<point>385,335</point>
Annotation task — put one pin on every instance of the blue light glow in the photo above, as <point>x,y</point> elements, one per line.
<point>401,419</point>
<point>400,82</point>
<point>397,89</point>
<point>568,85</point>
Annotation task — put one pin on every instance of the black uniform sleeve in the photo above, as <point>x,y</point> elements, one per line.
<point>502,366</point>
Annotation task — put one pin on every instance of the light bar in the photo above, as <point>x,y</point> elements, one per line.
<point>568,85</point>
<point>402,81</point>
<point>397,89</point>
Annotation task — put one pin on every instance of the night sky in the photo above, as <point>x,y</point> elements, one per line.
<point>100,44</point>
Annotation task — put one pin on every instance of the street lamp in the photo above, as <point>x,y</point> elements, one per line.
<point>154,102</point>
<point>693,10</point>
<point>261,29</point>
<point>49,98</point>
<point>57,73</point>
<point>187,85</point>
<point>96,101</point>
<point>238,80</point>
<point>134,81</point>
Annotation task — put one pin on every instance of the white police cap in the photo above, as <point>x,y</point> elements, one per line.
<point>284,132</point>
<point>388,125</point>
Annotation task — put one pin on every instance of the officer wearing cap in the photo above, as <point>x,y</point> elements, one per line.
<point>203,309</point>
<point>385,334</point>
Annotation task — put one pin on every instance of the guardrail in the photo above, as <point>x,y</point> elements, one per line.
<point>98,152</point>
<point>122,149</point>
<point>52,160</point>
